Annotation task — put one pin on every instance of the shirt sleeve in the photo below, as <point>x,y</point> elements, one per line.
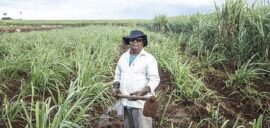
<point>152,74</point>
<point>117,75</point>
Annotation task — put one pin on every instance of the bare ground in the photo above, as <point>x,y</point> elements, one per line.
<point>12,29</point>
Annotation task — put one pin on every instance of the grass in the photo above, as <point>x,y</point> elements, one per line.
<point>64,73</point>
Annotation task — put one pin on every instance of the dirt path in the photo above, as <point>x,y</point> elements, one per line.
<point>170,112</point>
<point>12,29</point>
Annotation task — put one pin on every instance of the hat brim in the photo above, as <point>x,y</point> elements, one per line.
<point>127,39</point>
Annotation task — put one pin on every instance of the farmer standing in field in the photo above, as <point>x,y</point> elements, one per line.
<point>136,74</point>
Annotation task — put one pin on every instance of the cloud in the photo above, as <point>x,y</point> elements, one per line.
<point>102,9</point>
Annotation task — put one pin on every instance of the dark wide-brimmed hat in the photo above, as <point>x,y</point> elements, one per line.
<point>134,34</point>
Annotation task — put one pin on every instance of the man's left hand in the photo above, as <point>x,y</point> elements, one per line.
<point>143,92</point>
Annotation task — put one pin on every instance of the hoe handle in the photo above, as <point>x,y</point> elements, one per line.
<point>133,97</point>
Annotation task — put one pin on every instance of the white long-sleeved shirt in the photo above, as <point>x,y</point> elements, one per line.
<point>142,72</point>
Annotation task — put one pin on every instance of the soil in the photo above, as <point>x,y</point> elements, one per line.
<point>12,29</point>
<point>12,89</point>
<point>183,113</point>
<point>172,112</point>
<point>169,111</point>
<point>234,101</point>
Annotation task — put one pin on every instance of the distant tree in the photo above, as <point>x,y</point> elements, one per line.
<point>5,17</point>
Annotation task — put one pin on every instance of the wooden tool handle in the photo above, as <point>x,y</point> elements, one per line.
<point>133,97</point>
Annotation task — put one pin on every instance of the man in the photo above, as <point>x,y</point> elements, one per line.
<point>136,74</point>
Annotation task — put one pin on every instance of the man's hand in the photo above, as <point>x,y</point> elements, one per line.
<point>116,84</point>
<point>143,92</point>
<point>116,90</point>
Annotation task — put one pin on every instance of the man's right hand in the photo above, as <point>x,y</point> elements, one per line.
<point>116,90</point>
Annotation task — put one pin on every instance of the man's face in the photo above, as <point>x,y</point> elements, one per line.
<point>136,44</point>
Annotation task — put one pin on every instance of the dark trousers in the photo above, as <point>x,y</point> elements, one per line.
<point>134,118</point>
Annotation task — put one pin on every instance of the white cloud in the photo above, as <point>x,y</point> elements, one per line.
<point>101,9</point>
<point>189,3</point>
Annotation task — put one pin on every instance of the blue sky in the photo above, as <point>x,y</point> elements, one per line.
<point>102,9</point>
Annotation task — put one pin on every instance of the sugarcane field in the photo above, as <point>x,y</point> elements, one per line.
<point>203,70</point>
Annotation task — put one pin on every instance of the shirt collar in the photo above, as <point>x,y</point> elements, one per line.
<point>142,53</point>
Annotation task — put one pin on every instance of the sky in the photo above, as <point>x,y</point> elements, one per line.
<point>102,9</point>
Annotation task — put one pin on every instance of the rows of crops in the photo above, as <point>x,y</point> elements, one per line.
<point>218,62</point>
<point>204,93</point>
<point>55,79</point>
<point>231,49</point>
<point>236,30</point>
<point>58,78</point>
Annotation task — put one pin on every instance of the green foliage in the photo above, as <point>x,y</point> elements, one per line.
<point>241,29</point>
<point>3,51</point>
<point>236,32</point>
<point>258,123</point>
<point>160,23</point>
<point>69,112</point>
<point>245,74</point>
<point>1,23</point>
<point>79,23</point>
<point>11,112</point>
<point>188,86</point>
<point>64,72</point>
<point>183,24</point>
<point>6,18</point>
<point>212,57</point>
